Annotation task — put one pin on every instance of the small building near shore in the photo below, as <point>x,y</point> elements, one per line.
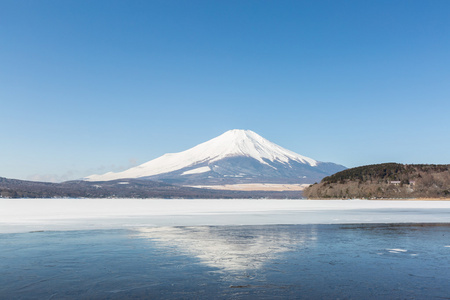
<point>398,182</point>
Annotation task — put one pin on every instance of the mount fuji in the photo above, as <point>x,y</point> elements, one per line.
<point>235,157</point>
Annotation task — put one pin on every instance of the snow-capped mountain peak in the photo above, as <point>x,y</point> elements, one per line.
<point>247,143</point>
<point>206,157</point>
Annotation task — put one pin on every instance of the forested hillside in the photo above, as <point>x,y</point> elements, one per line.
<point>390,180</point>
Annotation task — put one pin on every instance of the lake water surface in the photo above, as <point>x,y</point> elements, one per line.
<point>367,261</point>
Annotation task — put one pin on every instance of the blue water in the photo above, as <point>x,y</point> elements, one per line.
<point>229,262</point>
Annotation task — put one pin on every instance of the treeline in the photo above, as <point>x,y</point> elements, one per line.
<point>389,180</point>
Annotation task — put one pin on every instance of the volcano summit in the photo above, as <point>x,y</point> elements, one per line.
<point>235,157</point>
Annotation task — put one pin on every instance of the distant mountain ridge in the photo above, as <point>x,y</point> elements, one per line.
<point>132,188</point>
<point>235,157</point>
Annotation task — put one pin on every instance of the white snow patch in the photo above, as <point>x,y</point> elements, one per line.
<point>254,187</point>
<point>197,171</point>
<point>397,250</point>
<point>124,182</point>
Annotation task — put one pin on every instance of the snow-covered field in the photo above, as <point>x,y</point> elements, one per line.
<point>21,215</point>
<point>255,187</point>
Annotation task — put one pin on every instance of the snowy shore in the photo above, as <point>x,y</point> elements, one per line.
<point>22,215</point>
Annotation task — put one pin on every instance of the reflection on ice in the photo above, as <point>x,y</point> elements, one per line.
<point>230,248</point>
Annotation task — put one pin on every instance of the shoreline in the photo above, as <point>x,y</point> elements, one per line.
<point>383,199</point>
<point>414,199</point>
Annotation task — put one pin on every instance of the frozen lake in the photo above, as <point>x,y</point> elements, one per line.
<point>366,261</point>
<point>238,249</point>
<point>23,215</point>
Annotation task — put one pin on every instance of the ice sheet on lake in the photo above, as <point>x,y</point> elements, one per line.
<point>21,215</point>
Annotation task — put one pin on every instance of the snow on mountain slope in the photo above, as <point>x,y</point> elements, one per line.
<point>231,144</point>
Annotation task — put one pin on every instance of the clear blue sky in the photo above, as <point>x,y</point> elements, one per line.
<point>95,86</point>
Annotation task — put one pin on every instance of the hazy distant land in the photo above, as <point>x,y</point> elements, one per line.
<point>130,188</point>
